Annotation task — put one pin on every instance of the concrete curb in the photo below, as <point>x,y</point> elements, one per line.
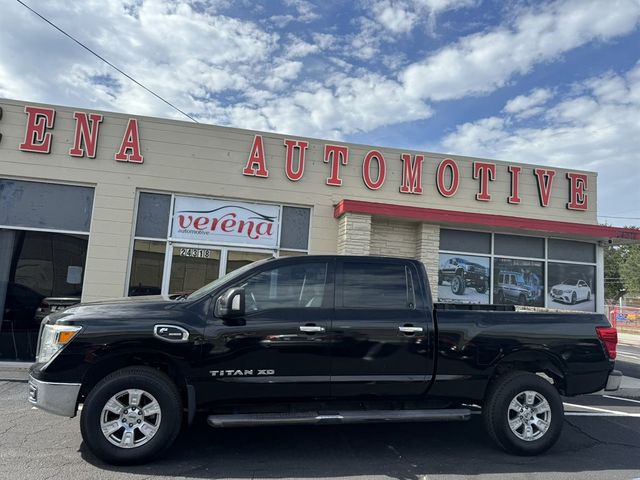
<point>15,371</point>
<point>629,339</point>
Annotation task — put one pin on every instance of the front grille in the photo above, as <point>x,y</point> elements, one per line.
<point>557,291</point>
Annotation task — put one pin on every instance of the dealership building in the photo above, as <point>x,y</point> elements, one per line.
<point>96,205</point>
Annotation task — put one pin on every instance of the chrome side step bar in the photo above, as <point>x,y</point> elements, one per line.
<point>356,416</point>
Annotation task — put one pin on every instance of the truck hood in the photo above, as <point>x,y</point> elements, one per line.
<point>150,306</point>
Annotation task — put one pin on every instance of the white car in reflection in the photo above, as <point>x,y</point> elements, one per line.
<point>571,291</point>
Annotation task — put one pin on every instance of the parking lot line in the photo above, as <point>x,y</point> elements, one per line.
<point>621,398</point>
<point>603,410</point>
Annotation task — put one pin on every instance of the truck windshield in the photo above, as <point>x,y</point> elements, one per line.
<point>210,287</point>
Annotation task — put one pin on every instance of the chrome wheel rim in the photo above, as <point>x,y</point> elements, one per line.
<point>529,415</point>
<point>130,418</point>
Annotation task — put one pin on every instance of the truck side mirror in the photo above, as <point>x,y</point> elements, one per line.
<point>230,304</point>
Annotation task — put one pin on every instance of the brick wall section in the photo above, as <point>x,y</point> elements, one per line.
<point>427,247</point>
<point>393,238</point>
<point>354,234</point>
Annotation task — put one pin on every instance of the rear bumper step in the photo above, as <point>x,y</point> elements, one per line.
<point>317,418</point>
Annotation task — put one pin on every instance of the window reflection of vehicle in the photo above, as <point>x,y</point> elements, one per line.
<point>511,287</point>
<point>571,291</point>
<point>462,273</point>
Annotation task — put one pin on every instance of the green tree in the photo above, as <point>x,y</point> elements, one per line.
<point>630,270</point>
<point>613,284</point>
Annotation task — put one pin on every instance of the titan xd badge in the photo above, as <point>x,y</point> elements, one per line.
<point>240,373</point>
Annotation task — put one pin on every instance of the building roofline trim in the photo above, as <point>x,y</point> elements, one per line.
<point>434,215</point>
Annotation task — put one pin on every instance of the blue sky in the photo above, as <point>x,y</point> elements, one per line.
<point>544,82</point>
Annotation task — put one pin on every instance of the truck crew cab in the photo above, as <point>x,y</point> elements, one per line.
<point>317,339</point>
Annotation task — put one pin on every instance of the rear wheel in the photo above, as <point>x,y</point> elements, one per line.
<point>131,416</point>
<point>523,413</point>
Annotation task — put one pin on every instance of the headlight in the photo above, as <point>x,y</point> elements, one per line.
<point>53,338</point>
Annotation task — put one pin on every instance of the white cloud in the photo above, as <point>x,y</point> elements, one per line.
<point>402,16</point>
<point>305,10</point>
<point>396,17</point>
<point>596,130</point>
<point>525,106</point>
<point>237,72</point>
<point>483,62</point>
<point>537,97</point>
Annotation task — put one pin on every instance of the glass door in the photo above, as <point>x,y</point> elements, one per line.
<point>239,258</point>
<point>192,266</point>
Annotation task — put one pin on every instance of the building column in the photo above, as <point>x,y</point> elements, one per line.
<point>354,234</point>
<point>427,252</point>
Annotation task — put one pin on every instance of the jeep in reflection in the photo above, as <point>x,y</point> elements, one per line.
<point>512,288</point>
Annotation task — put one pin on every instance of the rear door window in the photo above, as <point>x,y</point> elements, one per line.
<point>378,286</point>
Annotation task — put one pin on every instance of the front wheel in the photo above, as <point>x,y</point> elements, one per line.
<point>523,413</point>
<point>131,416</point>
<point>458,285</point>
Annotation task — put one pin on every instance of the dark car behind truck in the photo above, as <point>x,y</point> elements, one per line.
<point>318,339</point>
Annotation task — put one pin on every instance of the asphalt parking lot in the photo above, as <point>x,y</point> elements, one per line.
<point>600,440</point>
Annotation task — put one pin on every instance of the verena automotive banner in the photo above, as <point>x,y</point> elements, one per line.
<point>225,222</point>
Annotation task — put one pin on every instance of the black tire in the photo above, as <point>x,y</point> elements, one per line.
<point>574,298</point>
<point>457,285</point>
<point>149,380</point>
<point>522,300</point>
<point>588,296</point>
<point>496,413</point>
<point>482,287</point>
<point>499,300</point>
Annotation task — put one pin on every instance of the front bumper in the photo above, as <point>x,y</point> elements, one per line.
<point>56,398</point>
<point>561,298</point>
<point>613,382</point>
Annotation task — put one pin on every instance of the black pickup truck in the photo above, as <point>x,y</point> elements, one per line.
<point>317,339</point>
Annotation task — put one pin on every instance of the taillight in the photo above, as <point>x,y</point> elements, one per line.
<point>609,336</point>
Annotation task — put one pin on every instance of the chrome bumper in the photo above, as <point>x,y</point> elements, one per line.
<point>613,382</point>
<point>56,398</point>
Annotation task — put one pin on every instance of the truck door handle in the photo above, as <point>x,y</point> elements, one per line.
<point>410,329</point>
<point>311,329</point>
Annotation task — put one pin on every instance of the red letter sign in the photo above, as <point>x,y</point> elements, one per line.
<point>366,170</point>
<point>545,181</point>
<point>295,175</point>
<point>450,191</point>
<point>85,134</point>
<point>336,155</point>
<point>486,172</point>
<point>130,147</point>
<point>515,184</point>
<point>256,159</point>
<point>578,199</point>
<point>35,138</point>
<point>411,174</point>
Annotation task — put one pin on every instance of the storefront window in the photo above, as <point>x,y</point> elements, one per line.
<point>463,279</point>
<point>518,282</point>
<point>572,287</point>
<point>518,269</point>
<point>207,238</point>
<point>40,272</point>
<point>147,266</point>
